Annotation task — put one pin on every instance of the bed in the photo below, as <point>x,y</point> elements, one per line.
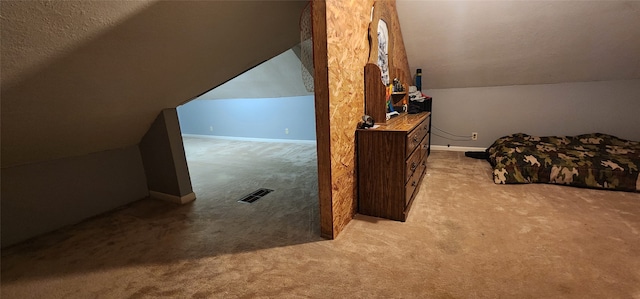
<point>591,160</point>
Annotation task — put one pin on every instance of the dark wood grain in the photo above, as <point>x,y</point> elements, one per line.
<point>374,94</point>
<point>405,122</point>
<point>412,163</point>
<point>381,162</point>
<point>375,98</point>
<point>388,175</point>
<point>321,87</point>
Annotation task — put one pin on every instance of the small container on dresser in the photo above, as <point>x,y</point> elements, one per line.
<point>392,160</point>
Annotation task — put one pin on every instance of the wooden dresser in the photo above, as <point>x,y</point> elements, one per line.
<point>392,159</point>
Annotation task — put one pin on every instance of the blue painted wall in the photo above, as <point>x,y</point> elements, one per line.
<point>251,118</point>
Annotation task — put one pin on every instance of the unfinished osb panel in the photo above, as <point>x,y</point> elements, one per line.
<point>398,63</point>
<point>375,89</point>
<point>347,53</point>
<point>341,50</point>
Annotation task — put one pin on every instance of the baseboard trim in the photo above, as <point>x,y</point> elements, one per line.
<point>457,148</point>
<point>172,198</point>
<point>251,139</point>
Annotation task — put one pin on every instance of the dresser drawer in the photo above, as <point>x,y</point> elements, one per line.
<point>426,123</point>
<point>391,165</point>
<point>416,135</point>
<point>411,187</point>
<point>424,145</point>
<point>412,184</point>
<point>413,163</point>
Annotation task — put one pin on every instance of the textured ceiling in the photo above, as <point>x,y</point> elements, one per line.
<point>35,32</point>
<point>80,77</point>
<point>87,76</point>
<point>493,43</point>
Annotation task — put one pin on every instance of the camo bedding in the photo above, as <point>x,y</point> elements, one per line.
<point>591,160</point>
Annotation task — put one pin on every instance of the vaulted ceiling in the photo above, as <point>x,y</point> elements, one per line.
<point>86,76</point>
<point>280,76</point>
<point>80,77</point>
<point>494,43</point>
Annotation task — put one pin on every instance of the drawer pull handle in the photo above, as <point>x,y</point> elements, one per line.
<point>413,184</point>
<point>415,139</point>
<point>413,166</point>
<point>424,163</point>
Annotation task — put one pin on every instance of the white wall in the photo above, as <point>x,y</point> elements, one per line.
<point>611,107</point>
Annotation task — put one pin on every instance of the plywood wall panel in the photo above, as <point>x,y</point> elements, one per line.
<point>340,99</point>
<point>347,53</point>
<point>400,62</point>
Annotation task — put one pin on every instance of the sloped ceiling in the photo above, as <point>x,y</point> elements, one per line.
<point>494,43</point>
<point>80,77</point>
<point>86,76</point>
<point>280,76</point>
<point>34,33</point>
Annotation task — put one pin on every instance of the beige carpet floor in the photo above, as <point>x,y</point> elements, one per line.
<point>465,238</point>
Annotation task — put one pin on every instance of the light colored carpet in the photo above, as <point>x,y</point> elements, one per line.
<point>465,238</point>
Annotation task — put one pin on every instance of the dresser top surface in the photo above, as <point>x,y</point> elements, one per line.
<point>402,122</point>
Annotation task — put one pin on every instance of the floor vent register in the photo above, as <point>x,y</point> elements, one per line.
<point>255,195</point>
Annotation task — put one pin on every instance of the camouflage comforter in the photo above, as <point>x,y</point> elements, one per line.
<point>590,160</point>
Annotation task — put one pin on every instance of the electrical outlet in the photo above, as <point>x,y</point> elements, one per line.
<point>210,128</point>
<point>286,131</point>
<point>474,136</point>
